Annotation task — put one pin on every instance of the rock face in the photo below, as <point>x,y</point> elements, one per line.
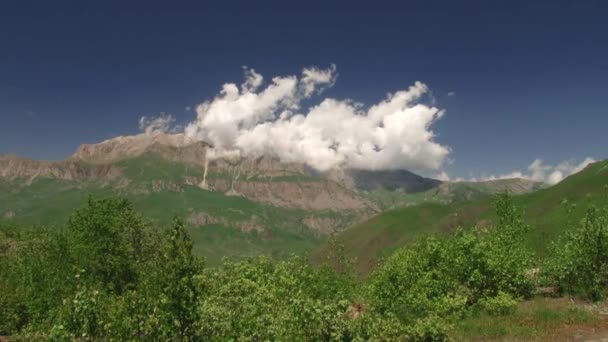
<point>308,195</point>
<point>12,167</point>
<point>124,147</point>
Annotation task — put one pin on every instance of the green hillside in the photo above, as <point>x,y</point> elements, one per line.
<point>222,224</point>
<point>50,202</point>
<point>235,226</point>
<point>450,192</point>
<point>548,211</point>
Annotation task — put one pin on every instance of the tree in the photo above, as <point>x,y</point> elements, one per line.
<point>579,261</point>
<point>107,239</point>
<point>179,291</point>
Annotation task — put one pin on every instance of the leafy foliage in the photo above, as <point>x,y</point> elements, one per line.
<point>109,276</point>
<point>502,304</point>
<point>106,241</point>
<point>579,261</point>
<point>444,276</point>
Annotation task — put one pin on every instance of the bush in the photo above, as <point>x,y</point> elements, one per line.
<point>109,240</point>
<point>260,300</point>
<point>579,261</point>
<point>431,328</point>
<point>438,279</point>
<point>500,305</point>
<point>416,282</point>
<point>109,276</point>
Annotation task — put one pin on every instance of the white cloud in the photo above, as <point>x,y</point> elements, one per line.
<point>163,123</point>
<point>442,176</point>
<point>253,80</point>
<point>392,134</point>
<point>313,77</point>
<point>451,93</point>
<point>537,171</point>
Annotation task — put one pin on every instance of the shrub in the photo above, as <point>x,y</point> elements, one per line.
<point>260,300</point>
<point>416,282</point>
<point>108,239</point>
<point>501,304</point>
<point>109,276</point>
<point>579,261</point>
<point>429,329</point>
<point>438,279</point>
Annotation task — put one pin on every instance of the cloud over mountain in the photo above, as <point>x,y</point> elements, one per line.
<point>267,119</point>
<point>162,123</point>
<point>550,174</point>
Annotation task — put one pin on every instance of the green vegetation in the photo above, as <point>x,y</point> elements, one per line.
<point>50,202</point>
<point>544,210</point>
<point>108,275</point>
<point>220,225</point>
<point>149,167</point>
<point>530,320</point>
<point>579,261</point>
<point>450,192</point>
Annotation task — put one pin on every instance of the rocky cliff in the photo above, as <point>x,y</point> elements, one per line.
<point>13,167</point>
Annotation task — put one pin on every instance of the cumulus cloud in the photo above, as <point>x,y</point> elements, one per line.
<point>162,123</point>
<point>443,176</point>
<point>313,77</point>
<point>257,120</point>
<point>550,174</point>
<point>253,80</point>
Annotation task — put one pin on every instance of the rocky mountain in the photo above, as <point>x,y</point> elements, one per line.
<point>124,147</point>
<point>14,168</point>
<point>367,180</point>
<point>285,206</point>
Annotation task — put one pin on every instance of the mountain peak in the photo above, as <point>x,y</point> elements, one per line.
<point>123,147</point>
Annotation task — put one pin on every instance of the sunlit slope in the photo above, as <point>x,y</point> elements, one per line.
<point>546,211</point>
<point>221,225</point>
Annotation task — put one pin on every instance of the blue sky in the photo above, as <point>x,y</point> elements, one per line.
<point>528,78</point>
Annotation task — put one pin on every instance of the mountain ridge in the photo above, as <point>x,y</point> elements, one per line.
<point>182,149</point>
<point>233,206</point>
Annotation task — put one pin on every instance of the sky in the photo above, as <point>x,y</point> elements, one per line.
<point>510,88</point>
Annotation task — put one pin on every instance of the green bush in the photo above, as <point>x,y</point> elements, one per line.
<point>579,261</point>
<point>416,282</point>
<point>500,305</point>
<point>261,300</point>
<point>109,276</point>
<point>488,261</point>
<point>436,280</point>
<point>109,240</point>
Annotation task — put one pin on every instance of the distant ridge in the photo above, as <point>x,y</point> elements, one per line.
<point>287,207</point>
<point>544,209</point>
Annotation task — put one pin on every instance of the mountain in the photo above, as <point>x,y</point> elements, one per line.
<point>544,210</point>
<point>16,168</point>
<point>234,206</point>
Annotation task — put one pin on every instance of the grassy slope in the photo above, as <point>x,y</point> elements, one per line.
<point>454,192</point>
<point>50,202</point>
<point>380,235</point>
